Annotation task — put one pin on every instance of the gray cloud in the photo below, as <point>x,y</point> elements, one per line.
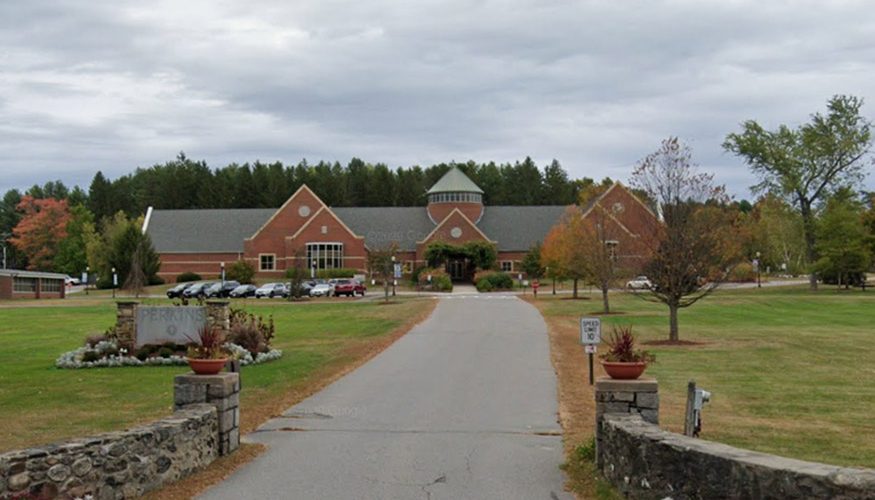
<point>113,85</point>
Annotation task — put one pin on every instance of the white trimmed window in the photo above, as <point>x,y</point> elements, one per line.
<point>506,266</point>
<point>325,255</point>
<point>24,285</point>
<point>50,285</point>
<point>266,262</point>
<point>408,267</point>
<point>612,248</point>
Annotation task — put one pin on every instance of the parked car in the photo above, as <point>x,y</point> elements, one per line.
<point>197,290</point>
<point>220,290</point>
<point>270,290</point>
<point>70,281</point>
<point>321,290</point>
<point>176,292</point>
<point>306,286</point>
<point>639,283</point>
<point>360,287</point>
<point>243,291</point>
<point>344,287</point>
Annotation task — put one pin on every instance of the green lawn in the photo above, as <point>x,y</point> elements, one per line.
<point>40,404</point>
<point>791,371</point>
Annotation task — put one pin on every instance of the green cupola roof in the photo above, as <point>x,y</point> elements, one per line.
<point>454,181</point>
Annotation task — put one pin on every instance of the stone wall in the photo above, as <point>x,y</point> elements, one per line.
<point>122,464</point>
<point>221,391</point>
<point>637,397</point>
<point>643,461</point>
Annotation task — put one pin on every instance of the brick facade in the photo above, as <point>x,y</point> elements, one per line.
<point>304,219</point>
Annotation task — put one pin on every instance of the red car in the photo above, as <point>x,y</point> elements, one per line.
<point>348,287</point>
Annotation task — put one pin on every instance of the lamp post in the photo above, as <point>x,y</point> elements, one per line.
<point>87,277</point>
<point>114,282</point>
<point>222,265</point>
<point>757,265</point>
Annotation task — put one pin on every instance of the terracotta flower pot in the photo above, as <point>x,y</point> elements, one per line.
<point>206,366</point>
<point>624,371</point>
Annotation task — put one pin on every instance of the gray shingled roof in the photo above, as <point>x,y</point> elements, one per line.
<point>454,181</point>
<point>31,274</point>
<point>518,228</point>
<point>382,225</point>
<point>213,230</point>
<point>223,230</point>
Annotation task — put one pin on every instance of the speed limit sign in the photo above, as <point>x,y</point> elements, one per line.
<point>590,331</point>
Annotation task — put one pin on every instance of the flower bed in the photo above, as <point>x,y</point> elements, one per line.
<point>107,354</point>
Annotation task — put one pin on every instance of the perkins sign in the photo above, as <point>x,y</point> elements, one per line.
<point>160,324</point>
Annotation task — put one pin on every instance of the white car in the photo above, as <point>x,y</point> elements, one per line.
<point>70,281</point>
<point>639,283</point>
<point>321,289</point>
<point>270,290</point>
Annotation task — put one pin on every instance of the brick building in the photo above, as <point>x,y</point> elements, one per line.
<point>305,228</point>
<point>18,284</point>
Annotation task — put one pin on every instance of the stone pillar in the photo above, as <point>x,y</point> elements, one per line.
<point>221,391</point>
<point>218,315</point>
<point>624,396</point>
<point>126,322</point>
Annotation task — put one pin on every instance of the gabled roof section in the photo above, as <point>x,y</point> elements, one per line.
<point>455,181</point>
<point>464,218</point>
<point>204,230</point>
<point>333,216</point>
<point>303,189</point>
<point>616,185</point>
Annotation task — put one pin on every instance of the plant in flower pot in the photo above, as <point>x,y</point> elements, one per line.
<point>206,354</point>
<point>623,360</point>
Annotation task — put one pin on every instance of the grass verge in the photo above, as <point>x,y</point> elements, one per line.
<point>790,371</point>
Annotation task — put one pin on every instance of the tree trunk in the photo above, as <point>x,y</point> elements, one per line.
<point>810,251</point>
<point>605,298</point>
<point>673,322</point>
<point>574,295</point>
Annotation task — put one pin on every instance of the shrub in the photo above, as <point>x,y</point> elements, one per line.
<point>440,280</point>
<point>93,340</point>
<point>188,276</point>
<point>143,353</point>
<point>155,280</point>
<point>485,285</point>
<point>743,272</point>
<point>165,352</point>
<point>327,274</point>
<point>90,356</point>
<point>247,335</point>
<point>241,271</point>
<point>241,320</point>
<point>487,281</point>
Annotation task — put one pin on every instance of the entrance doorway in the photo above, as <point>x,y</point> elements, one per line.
<point>457,269</point>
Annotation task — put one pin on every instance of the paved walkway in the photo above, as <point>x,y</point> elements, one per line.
<point>463,406</point>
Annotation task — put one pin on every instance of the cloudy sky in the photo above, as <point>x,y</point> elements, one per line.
<point>114,84</point>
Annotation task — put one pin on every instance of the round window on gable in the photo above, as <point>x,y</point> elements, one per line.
<point>303,210</point>
<point>456,232</point>
<point>618,208</point>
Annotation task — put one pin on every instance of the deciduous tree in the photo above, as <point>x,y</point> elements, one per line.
<point>39,232</point>
<point>562,250</point>
<point>806,164</point>
<point>693,246</point>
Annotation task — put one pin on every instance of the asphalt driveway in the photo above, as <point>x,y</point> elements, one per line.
<point>463,406</point>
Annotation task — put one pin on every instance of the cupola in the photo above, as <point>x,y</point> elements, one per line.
<point>455,190</point>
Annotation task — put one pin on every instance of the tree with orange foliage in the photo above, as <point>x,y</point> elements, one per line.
<point>562,251</point>
<point>39,233</point>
